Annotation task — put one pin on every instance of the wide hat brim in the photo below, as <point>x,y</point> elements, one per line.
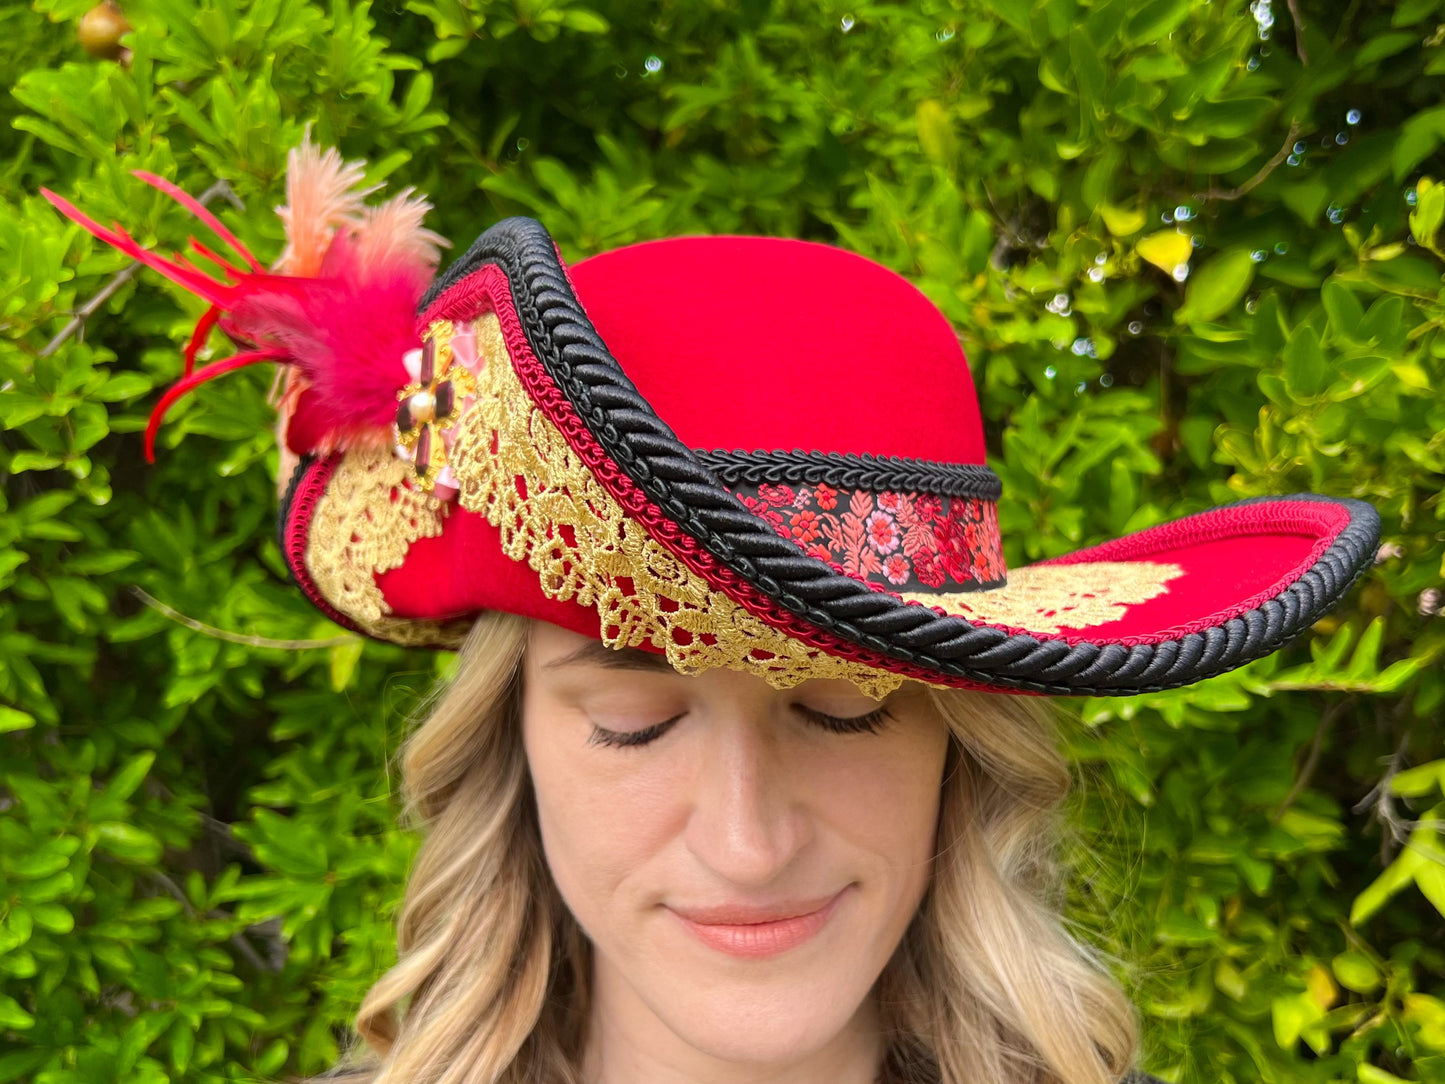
<point>579,504</point>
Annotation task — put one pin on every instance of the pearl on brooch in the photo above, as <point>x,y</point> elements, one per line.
<point>422,407</point>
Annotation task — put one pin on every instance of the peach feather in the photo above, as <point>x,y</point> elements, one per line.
<point>323,194</point>
<point>392,234</point>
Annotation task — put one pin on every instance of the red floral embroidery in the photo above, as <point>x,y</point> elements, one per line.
<point>804,526</point>
<point>928,569</point>
<point>776,495</point>
<point>882,532</point>
<point>888,540</point>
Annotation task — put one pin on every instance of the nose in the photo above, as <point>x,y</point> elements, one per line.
<point>746,824</point>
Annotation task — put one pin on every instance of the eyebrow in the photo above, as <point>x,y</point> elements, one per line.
<point>596,653</point>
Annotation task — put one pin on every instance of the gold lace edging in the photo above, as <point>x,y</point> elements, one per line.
<point>1052,598</point>
<point>364,523</point>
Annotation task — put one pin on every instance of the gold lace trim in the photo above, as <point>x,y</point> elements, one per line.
<point>665,602</point>
<point>364,523</point>
<point>1051,598</point>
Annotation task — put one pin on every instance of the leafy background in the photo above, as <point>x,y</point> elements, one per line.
<point>1193,249</point>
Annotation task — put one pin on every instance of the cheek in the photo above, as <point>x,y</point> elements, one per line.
<point>601,824</point>
<point>883,795</point>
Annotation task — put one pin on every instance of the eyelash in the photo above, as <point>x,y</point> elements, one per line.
<point>630,739</point>
<point>870,723</point>
<point>858,724</point>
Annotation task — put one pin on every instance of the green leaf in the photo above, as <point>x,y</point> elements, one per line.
<point>123,385</point>
<point>935,132</point>
<point>1305,372</point>
<point>1418,138</point>
<point>1370,1074</point>
<point>53,917</point>
<point>585,21</point>
<point>127,842</point>
<point>19,1064</point>
<point>1291,1014</point>
<point>14,719</point>
<point>343,660</point>
<point>1355,971</point>
<point>1089,74</point>
<point>1344,310</point>
<point>1430,880</point>
<point>1362,664</point>
<point>1217,287</point>
<point>1155,20</point>
<point>1420,780</point>
<point>182,1046</point>
<point>1181,928</point>
<point>270,1060</point>
<point>1231,118</point>
<point>124,782</point>
<point>13,1014</point>
<point>1429,211</point>
<point>1382,46</point>
<point>1120,221</point>
<point>1396,875</point>
<point>26,459</point>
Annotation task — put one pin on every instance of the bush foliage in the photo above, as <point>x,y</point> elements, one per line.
<point>1194,252</point>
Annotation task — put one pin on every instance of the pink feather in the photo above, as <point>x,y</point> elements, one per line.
<point>347,334</point>
<point>343,313</point>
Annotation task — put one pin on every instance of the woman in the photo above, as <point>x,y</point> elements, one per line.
<point>733,782</point>
<point>745,862</point>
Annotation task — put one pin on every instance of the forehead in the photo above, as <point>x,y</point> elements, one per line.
<point>558,655</point>
<point>561,656</point>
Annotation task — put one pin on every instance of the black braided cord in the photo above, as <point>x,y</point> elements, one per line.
<point>877,473</point>
<point>682,486</point>
<point>297,475</point>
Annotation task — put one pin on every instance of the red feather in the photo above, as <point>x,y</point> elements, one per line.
<point>193,381</point>
<point>346,330</point>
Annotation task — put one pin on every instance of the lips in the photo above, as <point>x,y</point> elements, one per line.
<point>752,931</point>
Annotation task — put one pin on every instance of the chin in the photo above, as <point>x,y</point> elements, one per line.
<point>766,1019</point>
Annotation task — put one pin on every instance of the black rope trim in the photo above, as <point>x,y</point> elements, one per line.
<point>673,477</point>
<point>876,473</point>
<point>284,514</point>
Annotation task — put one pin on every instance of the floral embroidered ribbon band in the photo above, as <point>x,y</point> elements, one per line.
<point>745,452</point>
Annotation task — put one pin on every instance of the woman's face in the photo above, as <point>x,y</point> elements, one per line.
<point>744,860</point>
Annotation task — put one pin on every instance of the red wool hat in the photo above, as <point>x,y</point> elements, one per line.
<point>747,452</point>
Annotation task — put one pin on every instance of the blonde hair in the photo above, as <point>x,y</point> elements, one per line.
<point>491,986</point>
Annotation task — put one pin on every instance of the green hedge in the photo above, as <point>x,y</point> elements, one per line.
<point>1194,254</point>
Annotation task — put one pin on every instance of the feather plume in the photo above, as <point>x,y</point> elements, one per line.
<point>339,309</point>
<point>323,193</point>
<point>393,234</point>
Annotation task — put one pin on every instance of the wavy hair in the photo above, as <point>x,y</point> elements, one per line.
<point>491,983</point>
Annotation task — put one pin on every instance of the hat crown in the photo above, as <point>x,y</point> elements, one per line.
<point>767,344</point>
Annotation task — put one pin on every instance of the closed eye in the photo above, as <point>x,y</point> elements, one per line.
<point>870,723</point>
<point>628,739</point>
